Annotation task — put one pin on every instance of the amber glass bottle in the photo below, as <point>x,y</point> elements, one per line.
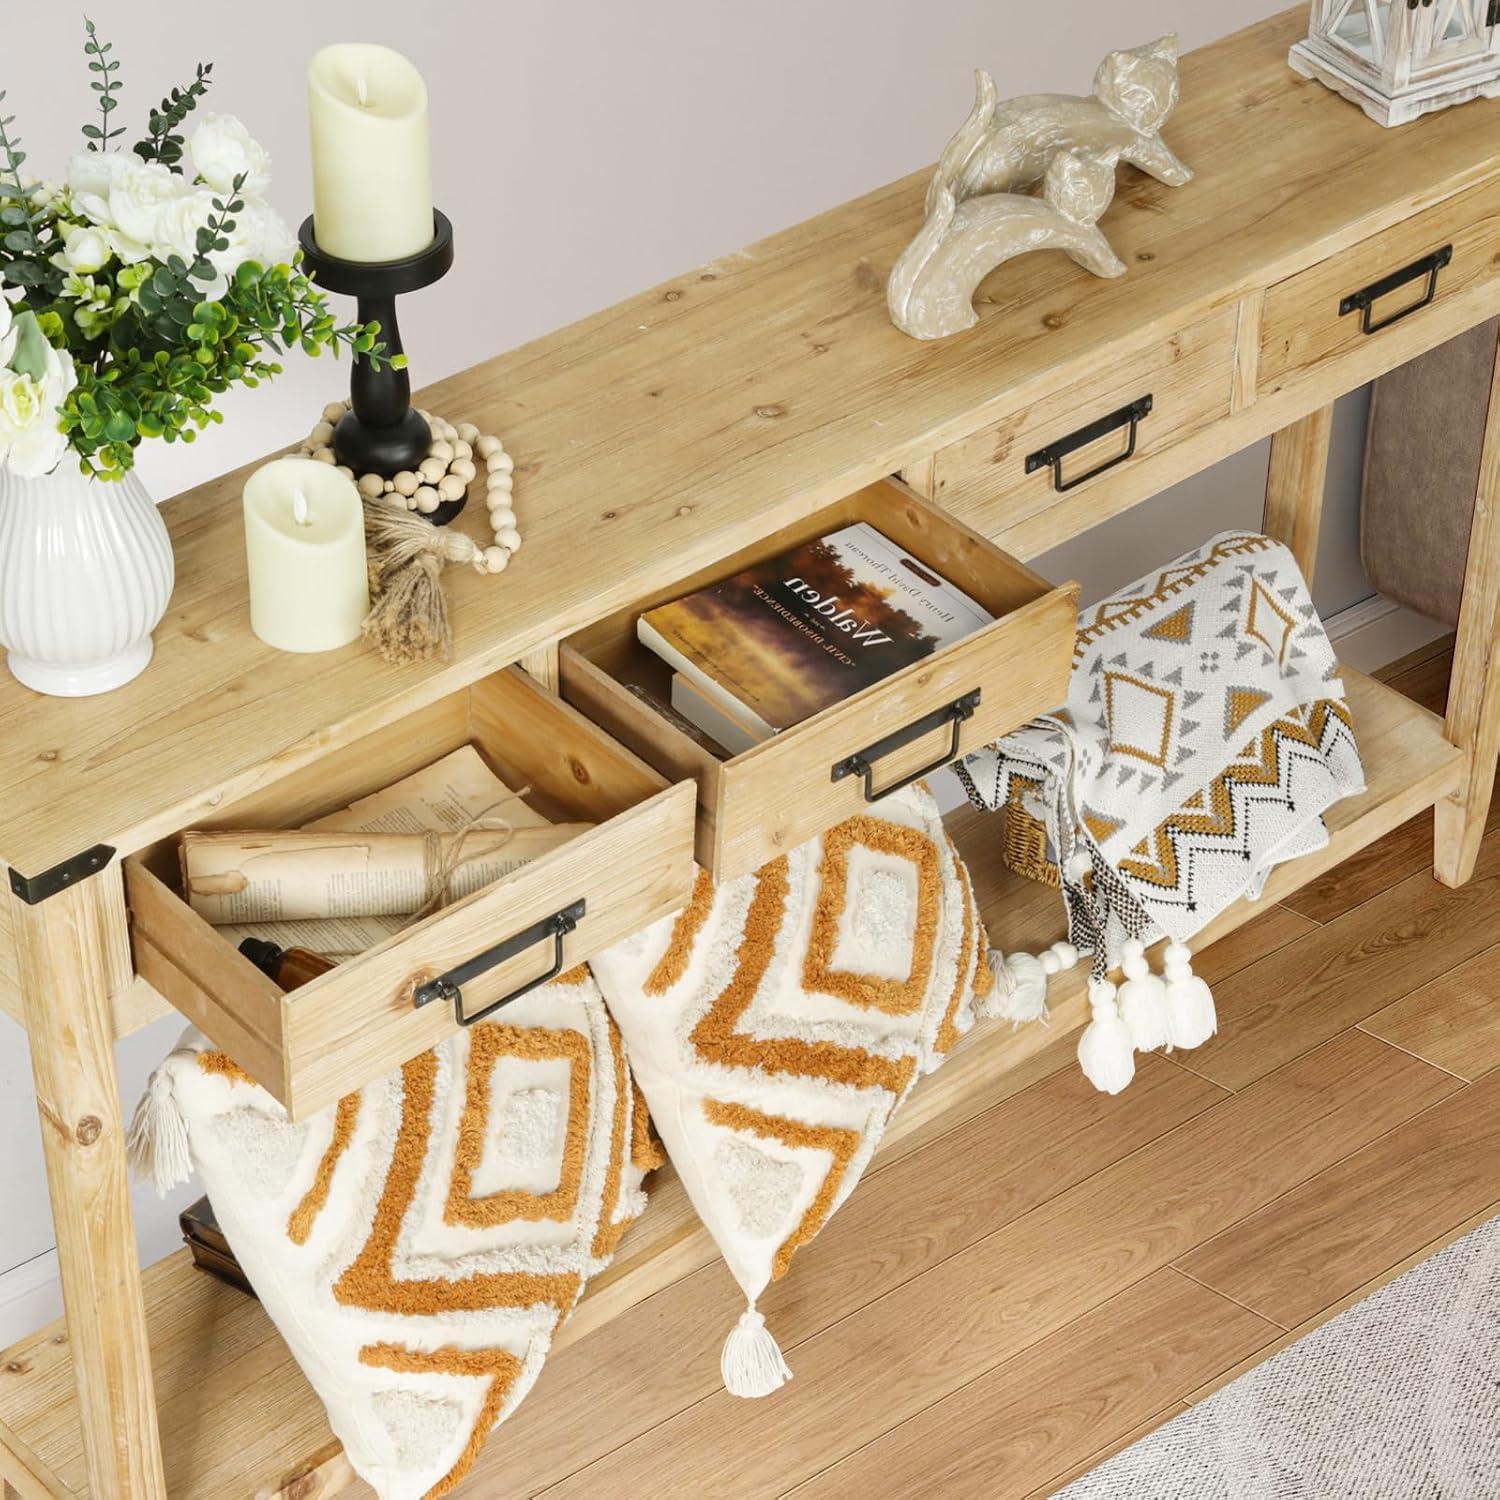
<point>288,967</point>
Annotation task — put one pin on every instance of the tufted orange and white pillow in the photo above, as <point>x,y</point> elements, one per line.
<point>419,1244</point>
<point>777,1021</point>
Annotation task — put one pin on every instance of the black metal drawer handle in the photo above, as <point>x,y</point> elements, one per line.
<point>1054,453</point>
<point>1363,301</point>
<point>862,762</point>
<point>449,986</point>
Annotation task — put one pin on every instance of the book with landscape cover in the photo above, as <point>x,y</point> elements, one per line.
<point>801,631</point>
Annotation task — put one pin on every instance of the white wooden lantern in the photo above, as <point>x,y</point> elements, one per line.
<point>1397,59</point>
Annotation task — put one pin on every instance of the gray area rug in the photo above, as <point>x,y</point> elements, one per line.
<point>1397,1398</point>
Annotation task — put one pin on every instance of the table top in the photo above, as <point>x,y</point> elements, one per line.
<point>670,430</point>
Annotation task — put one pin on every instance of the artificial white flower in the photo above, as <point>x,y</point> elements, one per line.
<point>86,249</point>
<point>89,177</point>
<point>123,196</point>
<point>178,223</point>
<point>31,443</point>
<point>137,197</point>
<point>221,149</point>
<point>259,234</point>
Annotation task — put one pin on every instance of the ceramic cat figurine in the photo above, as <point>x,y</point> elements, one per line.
<point>931,288</point>
<point>1134,92</point>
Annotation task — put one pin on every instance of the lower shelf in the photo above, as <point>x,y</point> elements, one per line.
<point>237,1417</point>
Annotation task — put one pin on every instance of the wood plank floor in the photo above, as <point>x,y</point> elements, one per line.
<point>1025,1293</point>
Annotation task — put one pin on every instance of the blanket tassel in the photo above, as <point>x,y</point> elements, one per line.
<point>1143,999</point>
<point>1105,1051</point>
<point>1191,1018</point>
<point>157,1145</point>
<point>751,1363</point>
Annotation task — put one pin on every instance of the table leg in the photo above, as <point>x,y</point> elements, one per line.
<point>1474,689</point>
<point>1295,484</point>
<point>67,947</point>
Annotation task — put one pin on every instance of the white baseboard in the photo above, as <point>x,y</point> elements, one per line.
<point>1377,631</point>
<point>30,1298</point>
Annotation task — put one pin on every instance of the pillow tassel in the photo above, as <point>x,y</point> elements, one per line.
<point>751,1363</point>
<point>1143,1000</point>
<point>1191,1018</point>
<point>1019,994</point>
<point>157,1146</point>
<point>1105,1052</point>
<point>1020,991</point>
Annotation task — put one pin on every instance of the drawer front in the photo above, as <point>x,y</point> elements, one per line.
<point>1406,278</point>
<point>317,1043</point>
<point>828,769</point>
<point>758,805</point>
<point>1096,432</point>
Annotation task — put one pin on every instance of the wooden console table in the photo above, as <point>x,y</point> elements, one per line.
<point>654,440</point>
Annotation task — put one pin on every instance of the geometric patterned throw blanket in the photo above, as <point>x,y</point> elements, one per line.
<point>1204,734</point>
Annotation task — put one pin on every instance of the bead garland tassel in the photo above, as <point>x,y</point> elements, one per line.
<point>408,619</point>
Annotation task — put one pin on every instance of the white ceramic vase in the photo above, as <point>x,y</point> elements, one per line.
<point>85,576</point>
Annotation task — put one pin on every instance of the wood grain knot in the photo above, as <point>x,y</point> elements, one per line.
<point>770,412</point>
<point>578,771</point>
<point>609,515</point>
<point>298,1487</point>
<point>406,997</point>
<point>17,1367</point>
<point>673,296</point>
<point>1054,320</point>
<point>88,1130</point>
<point>1145,255</point>
<point>50,756</point>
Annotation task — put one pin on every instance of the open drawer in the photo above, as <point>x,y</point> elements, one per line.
<point>311,1046</point>
<point>759,804</point>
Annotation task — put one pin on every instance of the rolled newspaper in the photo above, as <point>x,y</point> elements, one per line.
<point>270,876</point>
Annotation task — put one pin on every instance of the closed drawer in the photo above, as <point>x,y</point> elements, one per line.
<point>315,1044</point>
<point>1407,278</point>
<point>756,806</point>
<point>1097,431</point>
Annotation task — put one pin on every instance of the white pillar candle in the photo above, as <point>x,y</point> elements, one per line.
<point>372,180</point>
<point>305,553</point>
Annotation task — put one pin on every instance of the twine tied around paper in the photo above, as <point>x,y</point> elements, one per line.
<point>443,853</point>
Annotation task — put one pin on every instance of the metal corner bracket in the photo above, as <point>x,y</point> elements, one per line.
<point>34,889</point>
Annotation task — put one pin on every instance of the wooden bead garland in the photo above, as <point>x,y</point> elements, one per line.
<point>408,619</point>
<point>443,476</point>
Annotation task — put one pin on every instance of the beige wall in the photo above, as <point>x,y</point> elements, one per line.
<point>585,149</point>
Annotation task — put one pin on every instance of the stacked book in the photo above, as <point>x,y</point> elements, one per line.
<point>755,654</point>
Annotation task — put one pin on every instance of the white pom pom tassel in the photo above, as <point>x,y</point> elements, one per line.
<point>1143,999</point>
<point>1105,1052</point>
<point>751,1363</point>
<point>1020,990</point>
<point>157,1146</point>
<point>1191,1018</point>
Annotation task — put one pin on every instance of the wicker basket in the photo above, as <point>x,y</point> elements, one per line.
<point>1023,846</point>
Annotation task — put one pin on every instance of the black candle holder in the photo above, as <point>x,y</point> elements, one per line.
<point>381,433</point>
